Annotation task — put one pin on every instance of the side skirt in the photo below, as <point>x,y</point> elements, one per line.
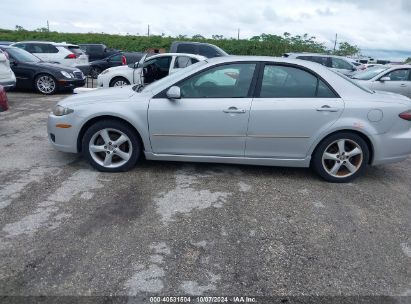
<point>275,162</point>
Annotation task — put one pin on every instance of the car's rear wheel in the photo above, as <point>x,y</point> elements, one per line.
<point>111,146</point>
<point>119,82</point>
<point>45,84</point>
<point>341,157</point>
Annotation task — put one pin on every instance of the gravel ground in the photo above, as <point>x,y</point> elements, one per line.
<point>192,229</point>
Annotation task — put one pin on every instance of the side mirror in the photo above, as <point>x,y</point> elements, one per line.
<point>383,79</point>
<point>13,62</point>
<point>174,93</point>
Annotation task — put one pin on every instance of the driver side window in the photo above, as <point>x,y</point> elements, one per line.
<point>226,81</point>
<point>399,75</point>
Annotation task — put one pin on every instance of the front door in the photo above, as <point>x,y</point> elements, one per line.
<point>400,82</point>
<point>210,118</point>
<point>290,109</point>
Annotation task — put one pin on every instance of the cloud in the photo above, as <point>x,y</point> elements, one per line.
<point>370,24</point>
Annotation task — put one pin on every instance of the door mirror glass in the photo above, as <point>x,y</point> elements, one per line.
<point>174,93</point>
<point>383,79</point>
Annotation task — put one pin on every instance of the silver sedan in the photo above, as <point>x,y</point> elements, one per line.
<point>396,79</point>
<point>242,110</point>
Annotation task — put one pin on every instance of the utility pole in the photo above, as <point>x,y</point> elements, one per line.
<point>335,42</point>
<point>238,34</point>
<point>148,30</point>
<point>48,26</point>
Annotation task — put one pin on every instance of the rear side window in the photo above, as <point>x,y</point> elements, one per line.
<point>41,48</point>
<point>187,48</point>
<point>318,59</point>
<point>290,82</point>
<point>183,62</point>
<point>338,63</point>
<point>208,51</point>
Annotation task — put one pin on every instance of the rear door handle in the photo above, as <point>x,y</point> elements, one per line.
<point>234,110</point>
<point>327,108</point>
<point>403,85</point>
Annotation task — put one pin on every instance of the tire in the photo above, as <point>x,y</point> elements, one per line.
<point>341,157</point>
<point>45,84</point>
<point>119,82</point>
<point>94,72</point>
<point>103,153</point>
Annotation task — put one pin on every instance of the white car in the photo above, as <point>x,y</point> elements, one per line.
<point>149,68</point>
<point>395,79</point>
<point>7,77</point>
<point>66,54</point>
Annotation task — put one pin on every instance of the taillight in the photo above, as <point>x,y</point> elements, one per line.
<point>71,56</point>
<point>123,60</point>
<point>406,115</point>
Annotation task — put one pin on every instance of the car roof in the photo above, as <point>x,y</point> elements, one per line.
<point>34,41</point>
<point>178,54</point>
<point>318,54</point>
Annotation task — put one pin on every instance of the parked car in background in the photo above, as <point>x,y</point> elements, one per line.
<point>7,77</point>
<point>336,63</point>
<point>4,102</point>
<point>243,110</point>
<point>197,48</point>
<point>396,79</point>
<point>118,59</point>
<point>6,42</point>
<point>148,70</point>
<point>97,51</point>
<point>46,78</point>
<point>63,53</point>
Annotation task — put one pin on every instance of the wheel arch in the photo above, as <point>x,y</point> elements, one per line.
<point>112,79</point>
<point>363,135</point>
<point>93,120</point>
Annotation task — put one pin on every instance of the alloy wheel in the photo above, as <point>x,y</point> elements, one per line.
<point>46,84</point>
<point>110,148</point>
<point>342,158</point>
<point>120,83</point>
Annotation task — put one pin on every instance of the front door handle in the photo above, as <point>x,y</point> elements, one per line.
<point>234,110</point>
<point>403,85</point>
<point>327,108</point>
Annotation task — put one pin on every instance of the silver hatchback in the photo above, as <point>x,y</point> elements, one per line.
<point>242,110</point>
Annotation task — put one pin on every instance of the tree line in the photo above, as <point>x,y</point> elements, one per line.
<point>264,44</point>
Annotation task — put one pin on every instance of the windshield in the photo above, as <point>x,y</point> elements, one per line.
<point>354,82</point>
<point>369,73</point>
<point>175,76</point>
<point>22,55</point>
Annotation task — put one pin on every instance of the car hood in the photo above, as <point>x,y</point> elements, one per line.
<point>119,68</point>
<point>119,94</point>
<point>51,66</point>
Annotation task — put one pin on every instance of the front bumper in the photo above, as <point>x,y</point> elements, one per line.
<point>9,84</point>
<point>71,83</point>
<point>63,139</point>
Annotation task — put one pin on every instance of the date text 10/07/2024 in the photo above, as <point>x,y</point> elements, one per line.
<point>200,299</point>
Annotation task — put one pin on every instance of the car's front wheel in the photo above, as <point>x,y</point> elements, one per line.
<point>341,157</point>
<point>45,84</point>
<point>111,146</point>
<point>119,82</point>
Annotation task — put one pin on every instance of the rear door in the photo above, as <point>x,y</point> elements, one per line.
<point>400,82</point>
<point>292,105</point>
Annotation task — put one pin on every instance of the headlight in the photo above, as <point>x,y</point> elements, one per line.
<point>65,74</point>
<point>105,72</point>
<point>61,111</point>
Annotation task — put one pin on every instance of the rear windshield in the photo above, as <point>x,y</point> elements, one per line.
<point>75,49</point>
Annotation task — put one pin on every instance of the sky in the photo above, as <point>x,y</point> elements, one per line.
<point>373,25</point>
